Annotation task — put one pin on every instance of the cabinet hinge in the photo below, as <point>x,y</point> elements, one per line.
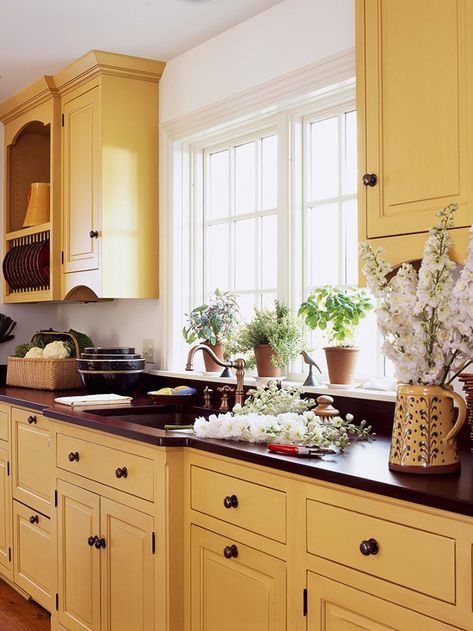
<point>9,555</point>
<point>153,543</point>
<point>62,258</point>
<point>57,602</point>
<point>8,467</point>
<point>55,498</point>
<point>304,602</point>
<point>62,120</point>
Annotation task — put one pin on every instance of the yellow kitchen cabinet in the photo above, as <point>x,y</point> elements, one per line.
<point>415,117</point>
<point>33,460</point>
<point>333,606</point>
<point>4,422</point>
<point>106,563</point>
<point>109,176</point>
<point>32,147</point>
<point>33,569</point>
<point>5,514</point>
<point>235,586</point>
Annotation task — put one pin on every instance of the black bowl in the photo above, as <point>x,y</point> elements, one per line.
<point>110,364</point>
<point>112,356</point>
<point>110,350</point>
<point>123,382</point>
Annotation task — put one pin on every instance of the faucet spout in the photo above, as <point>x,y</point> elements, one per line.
<point>238,364</point>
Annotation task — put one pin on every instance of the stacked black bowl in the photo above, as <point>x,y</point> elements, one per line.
<point>110,369</point>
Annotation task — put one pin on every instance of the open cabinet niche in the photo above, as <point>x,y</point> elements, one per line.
<point>28,161</point>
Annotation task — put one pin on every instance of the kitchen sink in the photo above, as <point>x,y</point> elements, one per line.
<point>154,415</point>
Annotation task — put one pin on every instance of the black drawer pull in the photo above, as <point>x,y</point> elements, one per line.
<point>94,234</point>
<point>121,472</point>
<point>230,501</point>
<point>34,519</point>
<point>369,179</point>
<point>369,546</point>
<point>230,552</point>
<point>91,540</point>
<point>73,456</point>
<point>32,419</point>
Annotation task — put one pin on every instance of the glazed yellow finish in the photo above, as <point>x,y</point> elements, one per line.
<point>5,514</point>
<point>4,422</point>
<point>336,607</point>
<point>32,567</point>
<point>32,464</point>
<point>415,127</point>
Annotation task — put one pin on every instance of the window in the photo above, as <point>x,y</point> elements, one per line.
<point>269,210</point>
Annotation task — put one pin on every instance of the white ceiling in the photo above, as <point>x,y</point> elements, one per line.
<point>40,37</point>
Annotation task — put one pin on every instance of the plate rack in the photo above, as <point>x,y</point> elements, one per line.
<point>26,265</point>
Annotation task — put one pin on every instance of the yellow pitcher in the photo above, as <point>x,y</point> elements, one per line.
<point>424,430</point>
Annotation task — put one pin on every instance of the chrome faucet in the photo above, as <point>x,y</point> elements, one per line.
<point>238,364</point>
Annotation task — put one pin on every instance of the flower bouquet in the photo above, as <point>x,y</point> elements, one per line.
<point>426,319</point>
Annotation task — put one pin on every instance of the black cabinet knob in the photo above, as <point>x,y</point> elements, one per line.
<point>94,234</point>
<point>369,546</point>
<point>34,519</point>
<point>91,540</point>
<point>99,543</point>
<point>32,419</point>
<point>121,472</point>
<point>370,179</point>
<point>74,455</point>
<point>230,501</point>
<point>230,552</point>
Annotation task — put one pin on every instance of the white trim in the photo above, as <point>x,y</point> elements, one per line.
<point>303,81</point>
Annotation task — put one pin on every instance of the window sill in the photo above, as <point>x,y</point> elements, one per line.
<point>355,393</point>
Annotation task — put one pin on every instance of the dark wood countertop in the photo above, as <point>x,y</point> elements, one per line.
<point>362,466</point>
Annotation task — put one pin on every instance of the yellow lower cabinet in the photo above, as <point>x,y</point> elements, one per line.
<point>333,606</point>
<point>79,562</point>
<point>127,568</point>
<point>4,422</point>
<point>5,512</point>
<point>33,569</point>
<point>234,587</point>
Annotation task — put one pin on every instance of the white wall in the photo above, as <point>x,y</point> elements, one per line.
<point>282,39</point>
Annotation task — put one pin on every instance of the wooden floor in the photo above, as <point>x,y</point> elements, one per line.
<point>18,614</point>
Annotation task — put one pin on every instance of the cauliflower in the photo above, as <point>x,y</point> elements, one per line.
<point>34,352</point>
<point>56,350</point>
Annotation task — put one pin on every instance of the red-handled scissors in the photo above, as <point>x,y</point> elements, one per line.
<point>296,450</point>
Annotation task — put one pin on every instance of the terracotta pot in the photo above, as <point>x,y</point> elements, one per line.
<point>424,430</point>
<point>210,365</point>
<point>264,365</point>
<point>341,363</point>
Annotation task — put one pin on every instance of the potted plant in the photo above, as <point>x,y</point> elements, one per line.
<point>275,337</point>
<point>213,324</point>
<point>337,311</point>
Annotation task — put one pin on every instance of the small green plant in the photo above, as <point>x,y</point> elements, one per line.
<point>214,322</point>
<point>276,327</point>
<point>337,311</point>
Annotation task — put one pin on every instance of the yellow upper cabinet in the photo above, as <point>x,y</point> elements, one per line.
<point>415,115</point>
<point>91,131</point>
<point>109,177</point>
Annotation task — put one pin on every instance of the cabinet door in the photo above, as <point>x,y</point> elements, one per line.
<point>5,511</point>
<point>33,570</point>
<point>4,422</point>
<point>79,563</point>
<point>246,592</point>
<point>127,568</point>
<point>81,165</point>
<point>415,99</point>
<point>333,606</point>
<point>33,460</point>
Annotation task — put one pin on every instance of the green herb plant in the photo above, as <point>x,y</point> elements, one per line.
<point>276,327</point>
<point>214,322</point>
<point>337,311</point>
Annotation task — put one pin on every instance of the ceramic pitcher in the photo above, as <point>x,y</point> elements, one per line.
<point>424,430</point>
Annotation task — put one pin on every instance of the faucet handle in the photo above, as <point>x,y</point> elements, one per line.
<point>208,395</point>
<point>226,391</point>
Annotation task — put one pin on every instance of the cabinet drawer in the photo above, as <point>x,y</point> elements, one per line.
<point>260,509</point>
<point>419,560</point>
<point>4,421</point>
<point>33,569</point>
<point>32,460</point>
<point>124,471</point>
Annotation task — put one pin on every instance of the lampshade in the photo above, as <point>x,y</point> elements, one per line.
<point>38,205</point>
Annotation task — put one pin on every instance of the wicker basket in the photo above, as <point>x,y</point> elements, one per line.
<point>40,373</point>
